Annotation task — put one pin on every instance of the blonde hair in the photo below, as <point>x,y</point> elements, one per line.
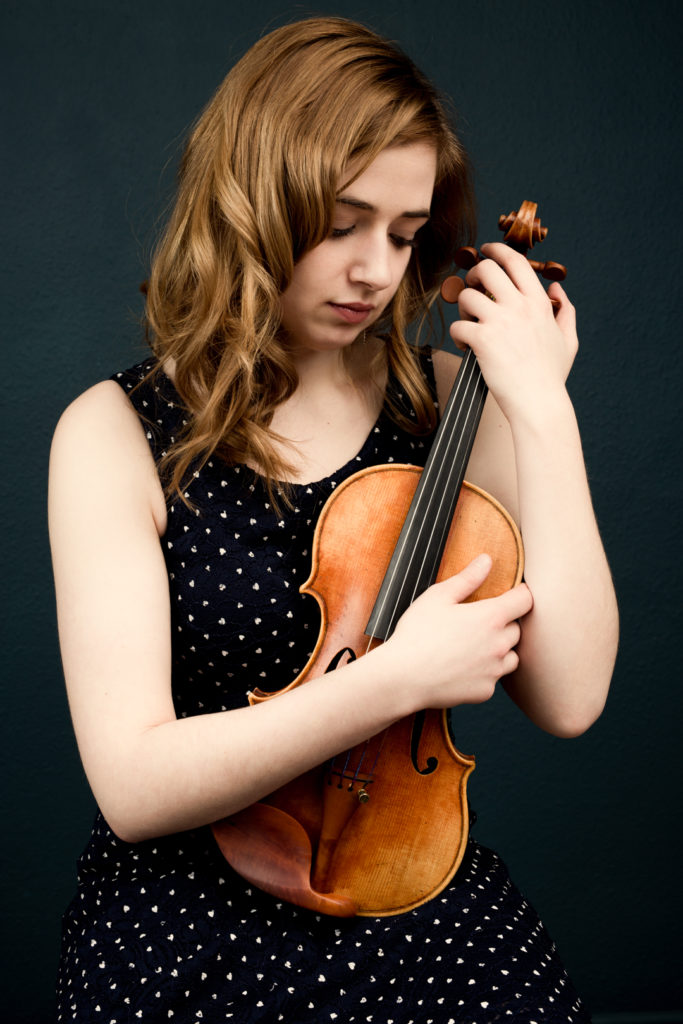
<point>257,188</point>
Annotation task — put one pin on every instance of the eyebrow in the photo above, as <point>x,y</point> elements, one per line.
<point>360,204</point>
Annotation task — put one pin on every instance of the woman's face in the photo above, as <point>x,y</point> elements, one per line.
<point>340,288</point>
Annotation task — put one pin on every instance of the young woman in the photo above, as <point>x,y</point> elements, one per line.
<point>321,196</point>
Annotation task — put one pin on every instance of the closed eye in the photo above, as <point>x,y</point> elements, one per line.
<point>342,232</point>
<point>398,240</point>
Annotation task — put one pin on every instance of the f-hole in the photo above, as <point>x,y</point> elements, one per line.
<point>334,664</point>
<point>416,736</point>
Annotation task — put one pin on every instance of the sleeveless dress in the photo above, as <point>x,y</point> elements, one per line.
<point>164,930</point>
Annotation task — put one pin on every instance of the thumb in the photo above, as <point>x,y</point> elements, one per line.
<point>565,314</point>
<point>468,579</point>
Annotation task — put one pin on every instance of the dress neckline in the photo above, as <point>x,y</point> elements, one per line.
<point>325,481</point>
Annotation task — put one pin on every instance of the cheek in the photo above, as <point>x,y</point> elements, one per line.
<point>402,264</point>
<point>299,289</point>
<point>312,275</point>
<point>289,304</point>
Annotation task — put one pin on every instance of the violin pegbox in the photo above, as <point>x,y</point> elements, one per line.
<point>522,230</point>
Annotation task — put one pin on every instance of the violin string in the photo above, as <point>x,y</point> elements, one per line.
<point>379,751</point>
<point>346,765</point>
<point>470,380</point>
<point>442,441</point>
<point>353,774</point>
<point>439,517</point>
<point>433,526</point>
<point>360,763</point>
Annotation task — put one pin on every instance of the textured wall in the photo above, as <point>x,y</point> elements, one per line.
<point>575,106</point>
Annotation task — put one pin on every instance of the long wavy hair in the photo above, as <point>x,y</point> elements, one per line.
<point>257,188</point>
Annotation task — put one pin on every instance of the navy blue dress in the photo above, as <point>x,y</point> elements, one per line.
<point>164,930</point>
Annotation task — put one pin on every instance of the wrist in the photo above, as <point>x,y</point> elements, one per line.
<point>391,680</point>
<point>545,417</point>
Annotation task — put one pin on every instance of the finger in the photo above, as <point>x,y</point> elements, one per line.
<point>488,276</point>
<point>512,633</point>
<point>565,313</point>
<point>516,267</point>
<point>474,305</point>
<point>510,663</point>
<point>516,602</point>
<point>465,582</point>
<point>464,333</point>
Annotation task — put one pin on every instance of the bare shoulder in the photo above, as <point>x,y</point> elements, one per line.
<point>99,447</point>
<point>446,369</point>
<point>100,411</point>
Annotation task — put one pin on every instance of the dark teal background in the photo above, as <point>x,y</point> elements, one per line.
<point>576,106</point>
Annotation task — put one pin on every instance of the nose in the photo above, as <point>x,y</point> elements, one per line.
<point>372,262</point>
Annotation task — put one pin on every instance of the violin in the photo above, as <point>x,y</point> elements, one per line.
<point>382,828</point>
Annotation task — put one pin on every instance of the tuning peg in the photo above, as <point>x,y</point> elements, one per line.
<point>451,288</point>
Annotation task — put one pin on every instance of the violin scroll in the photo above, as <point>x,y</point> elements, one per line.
<point>522,229</point>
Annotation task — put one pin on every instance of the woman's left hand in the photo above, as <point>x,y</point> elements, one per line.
<point>524,342</point>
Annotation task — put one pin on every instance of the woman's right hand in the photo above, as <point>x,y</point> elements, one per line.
<point>447,652</point>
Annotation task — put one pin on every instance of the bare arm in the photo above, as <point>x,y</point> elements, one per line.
<point>153,774</point>
<point>528,454</point>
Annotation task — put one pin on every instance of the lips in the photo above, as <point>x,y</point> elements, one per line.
<point>352,312</point>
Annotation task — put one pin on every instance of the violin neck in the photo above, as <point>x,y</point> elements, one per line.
<point>415,562</point>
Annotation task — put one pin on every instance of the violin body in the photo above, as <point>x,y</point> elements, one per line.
<point>384,828</point>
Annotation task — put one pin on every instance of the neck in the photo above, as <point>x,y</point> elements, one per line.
<point>318,369</point>
<point>334,368</point>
